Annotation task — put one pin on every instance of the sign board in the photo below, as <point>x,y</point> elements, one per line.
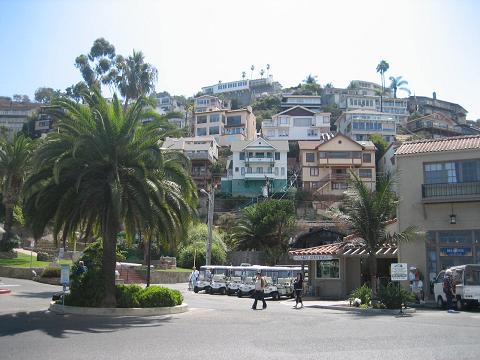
<point>65,274</point>
<point>399,271</point>
<point>61,253</point>
<point>312,257</point>
<point>453,251</point>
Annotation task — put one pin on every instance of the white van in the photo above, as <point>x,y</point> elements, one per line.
<point>466,279</point>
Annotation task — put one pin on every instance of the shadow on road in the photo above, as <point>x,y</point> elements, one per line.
<point>39,295</point>
<point>61,326</point>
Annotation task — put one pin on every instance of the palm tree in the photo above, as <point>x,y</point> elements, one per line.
<point>135,78</point>
<point>382,68</point>
<point>244,74</point>
<point>268,70</point>
<point>252,68</point>
<point>397,83</point>
<point>15,157</point>
<point>261,73</point>
<point>103,170</point>
<point>367,212</point>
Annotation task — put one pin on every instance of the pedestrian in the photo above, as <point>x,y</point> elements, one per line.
<point>81,268</point>
<point>192,281</point>
<point>298,288</point>
<point>449,290</point>
<point>260,284</point>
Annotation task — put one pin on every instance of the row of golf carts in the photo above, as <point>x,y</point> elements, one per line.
<point>240,280</point>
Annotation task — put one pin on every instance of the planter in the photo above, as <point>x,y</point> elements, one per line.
<point>77,310</point>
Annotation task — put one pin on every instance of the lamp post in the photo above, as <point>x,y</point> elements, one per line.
<point>211,200</point>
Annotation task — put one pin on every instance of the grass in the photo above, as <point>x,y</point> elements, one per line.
<point>178,269</point>
<point>23,261</point>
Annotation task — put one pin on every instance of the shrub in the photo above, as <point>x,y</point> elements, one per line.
<point>156,296</point>
<point>43,256</point>
<point>364,293</point>
<point>393,296</point>
<point>128,295</point>
<point>12,243</point>
<point>51,272</point>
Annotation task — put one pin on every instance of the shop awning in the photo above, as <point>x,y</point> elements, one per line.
<point>345,248</point>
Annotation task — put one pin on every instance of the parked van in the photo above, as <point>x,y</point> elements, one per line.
<point>466,280</point>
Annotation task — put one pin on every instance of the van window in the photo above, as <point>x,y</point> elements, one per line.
<point>472,275</point>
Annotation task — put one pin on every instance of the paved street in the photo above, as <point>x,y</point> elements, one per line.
<point>221,327</point>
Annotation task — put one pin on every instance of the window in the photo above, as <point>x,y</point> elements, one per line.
<point>339,186</point>
<point>314,171</point>
<point>365,173</point>
<point>310,157</point>
<point>276,171</point>
<point>234,120</point>
<point>214,130</point>
<point>270,132</point>
<point>236,169</point>
<point>282,132</point>
<point>242,170</point>
<point>259,170</point>
<point>367,158</point>
<point>328,269</point>
<point>277,156</point>
<point>259,155</point>
<point>201,131</point>
<point>455,237</point>
<point>242,156</point>
<point>214,118</point>
<point>202,119</point>
<point>282,171</point>
<point>283,121</point>
<point>452,172</point>
<point>302,122</point>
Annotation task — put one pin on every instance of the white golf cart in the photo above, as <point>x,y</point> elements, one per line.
<point>235,279</point>
<point>204,278</point>
<point>247,287</point>
<point>466,279</point>
<point>220,275</point>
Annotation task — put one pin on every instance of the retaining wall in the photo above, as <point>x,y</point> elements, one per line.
<point>19,273</point>
<point>168,277</point>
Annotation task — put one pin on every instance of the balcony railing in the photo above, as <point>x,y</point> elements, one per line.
<point>451,191</point>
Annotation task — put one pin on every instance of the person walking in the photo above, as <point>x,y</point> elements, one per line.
<point>260,284</point>
<point>298,288</point>
<point>448,289</point>
<point>193,279</point>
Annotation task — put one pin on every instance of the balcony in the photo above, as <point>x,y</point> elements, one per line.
<point>434,126</point>
<point>255,175</point>
<point>200,156</point>
<point>448,192</point>
<point>259,160</point>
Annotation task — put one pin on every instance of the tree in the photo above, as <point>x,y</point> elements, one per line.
<point>45,95</point>
<point>252,68</point>
<point>268,70</point>
<point>397,83</point>
<point>266,226</point>
<point>135,77</point>
<point>15,157</point>
<point>382,68</point>
<point>104,170</point>
<point>261,73</point>
<point>21,98</point>
<point>74,92</point>
<point>244,74</point>
<point>265,107</point>
<point>309,86</point>
<point>381,145</point>
<point>367,213</point>
<point>97,67</point>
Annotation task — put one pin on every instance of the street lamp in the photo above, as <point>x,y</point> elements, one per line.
<point>211,200</point>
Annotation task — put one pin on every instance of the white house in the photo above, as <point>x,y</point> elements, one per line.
<point>296,123</point>
<point>255,164</point>
<point>361,123</point>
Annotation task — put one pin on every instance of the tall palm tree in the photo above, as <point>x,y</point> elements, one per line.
<point>102,169</point>
<point>15,157</point>
<point>397,83</point>
<point>367,212</point>
<point>135,78</point>
<point>244,74</point>
<point>261,73</point>
<point>268,70</point>
<point>382,68</point>
<point>252,68</point>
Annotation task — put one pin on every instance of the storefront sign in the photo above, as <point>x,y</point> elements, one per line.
<point>399,271</point>
<point>312,257</point>
<point>451,251</point>
<point>65,274</point>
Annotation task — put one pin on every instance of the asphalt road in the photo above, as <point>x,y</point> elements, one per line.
<point>221,327</point>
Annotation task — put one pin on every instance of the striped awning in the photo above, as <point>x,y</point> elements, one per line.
<point>345,248</point>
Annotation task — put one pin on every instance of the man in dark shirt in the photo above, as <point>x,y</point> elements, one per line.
<point>449,290</point>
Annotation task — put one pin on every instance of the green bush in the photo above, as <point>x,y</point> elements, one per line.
<point>51,272</point>
<point>393,296</point>
<point>185,258</point>
<point>9,245</point>
<point>156,296</point>
<point>364,293</point>
<point>128,295</point>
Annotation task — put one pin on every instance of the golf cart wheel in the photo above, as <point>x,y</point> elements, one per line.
<point>276,296</point>
<point>239,293</point>
<point>440,302</point>
<point>223,291</point>
<point>195,289</point>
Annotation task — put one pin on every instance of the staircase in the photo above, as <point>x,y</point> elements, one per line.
<point>130,276</point>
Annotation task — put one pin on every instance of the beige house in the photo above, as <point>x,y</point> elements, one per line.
<point>226,126</point>
<point>326,164</point>
<point>439,188</point>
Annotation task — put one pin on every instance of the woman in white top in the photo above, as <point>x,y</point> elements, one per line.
<point>260,284</point>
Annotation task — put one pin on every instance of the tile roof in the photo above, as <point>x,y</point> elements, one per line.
<point>453,143</point>
<point>348,248</point>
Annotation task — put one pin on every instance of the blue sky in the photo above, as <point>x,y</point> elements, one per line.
<point>435,45</point>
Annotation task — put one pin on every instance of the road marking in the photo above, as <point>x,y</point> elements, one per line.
<point>5,285</point>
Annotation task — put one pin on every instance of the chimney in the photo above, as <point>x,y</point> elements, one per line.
<point>434,95</point>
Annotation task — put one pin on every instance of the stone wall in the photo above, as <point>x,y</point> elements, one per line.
<point>168,277</point>
<point>19,273</point>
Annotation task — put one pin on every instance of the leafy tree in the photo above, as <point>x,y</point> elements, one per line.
<point>15,157</point>
<point>382,68</point>
<point>244,74</point>
<point>309,86</point>
<point>335,114</point>
<point>397,83</point>
<point>104,170</point>
<point>21,98</point>
<point>266,226</point>
<point>265,107</point>
<point>367,212</point>
<point>74,92</point>
<point>45,95</point>
<point>380,143</point>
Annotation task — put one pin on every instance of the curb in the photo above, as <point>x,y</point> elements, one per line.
<point>5,291</point>
<point>364,311</point>
<point>77,310</point>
